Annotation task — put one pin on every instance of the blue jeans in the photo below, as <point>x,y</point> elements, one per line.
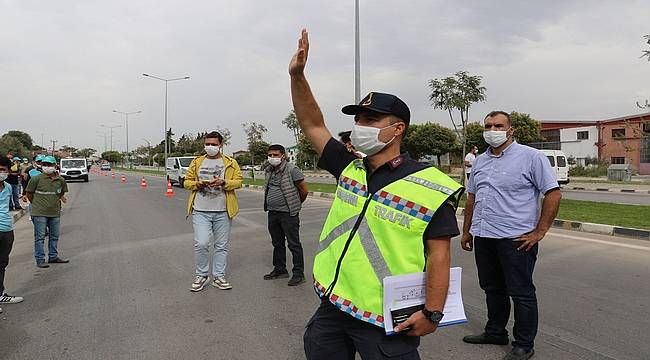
<point>215,226</point>
<point>41,224</point>
<point>15,196</point>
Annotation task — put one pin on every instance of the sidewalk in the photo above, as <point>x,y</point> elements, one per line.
<point>641,188</point>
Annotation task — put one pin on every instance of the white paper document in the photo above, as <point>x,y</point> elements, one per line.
<point>405,291</point>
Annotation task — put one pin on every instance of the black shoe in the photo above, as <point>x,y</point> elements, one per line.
<point>42,265</point>
<point>58,261</point>
<point>276,275</point>
<point>296,280</point>
<point>486,339</point>
<point>519,353</point>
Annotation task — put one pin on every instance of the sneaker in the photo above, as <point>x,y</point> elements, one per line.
<point>8,299</point>
<point>296,280</point>
<point>276,275</point>
<point>221,283</point>
<point>199,283</point>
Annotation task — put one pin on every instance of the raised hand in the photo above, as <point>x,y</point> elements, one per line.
<point>299,60</point>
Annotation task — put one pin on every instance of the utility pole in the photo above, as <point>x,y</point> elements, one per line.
<point>54,146</point>
<point>111,132</point>
<point>357,60</point>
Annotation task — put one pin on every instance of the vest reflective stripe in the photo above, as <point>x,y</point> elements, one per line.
<point>353,186</point>
<point>404,205</point>
<point>349,307</point>
<point>45,192</point>
<point>338,231</point>
<point>430,185</point>
<point>372,251</point>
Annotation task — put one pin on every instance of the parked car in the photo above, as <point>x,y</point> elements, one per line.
<point>176,169</point>
<point>76,168</point>
<point>105,167</point>
<point>559,164</point>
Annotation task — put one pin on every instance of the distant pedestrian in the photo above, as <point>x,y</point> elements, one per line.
<point>6,230</point>
<point>503,227</point>
<point>46,192</point>
<point>14,181</point>
<point>213,179</point>
<point>469,161</point>
<point>284,193</point>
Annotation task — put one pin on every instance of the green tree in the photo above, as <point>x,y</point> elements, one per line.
<point>23,137</point>
<point>291,122</point>
<point>243,159</point>
<point>457,93</point>
<point>254,132</point>
<point>258,150</point>
<point>11,144</point>
<point>112,156</point>
<point>226,134</point>
<point>527,129</point>
<point>474,136</point>
<point>429,139</point>
<point>307,157</point>
<point>85,152</point>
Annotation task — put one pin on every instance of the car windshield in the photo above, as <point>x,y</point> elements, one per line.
<point>70,164</point>
<point>185,162</point>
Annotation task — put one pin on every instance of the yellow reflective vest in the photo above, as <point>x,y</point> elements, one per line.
<point>371,236</point>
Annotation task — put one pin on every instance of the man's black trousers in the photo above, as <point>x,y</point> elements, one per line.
<point>505,272</point>
<point>285,228</point>
<point>332,334</point>
<point>6,242</point>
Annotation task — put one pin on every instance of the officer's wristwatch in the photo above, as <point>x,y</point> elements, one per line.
<point>433,316</point>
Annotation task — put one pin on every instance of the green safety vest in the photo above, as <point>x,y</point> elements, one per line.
<point>387,230</point>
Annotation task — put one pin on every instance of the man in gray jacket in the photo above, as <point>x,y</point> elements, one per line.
<point>284,193</point>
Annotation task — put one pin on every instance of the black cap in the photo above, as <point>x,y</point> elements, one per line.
<point>381,103</point>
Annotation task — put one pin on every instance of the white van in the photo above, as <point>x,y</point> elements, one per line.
<point>559,164</point>
<point>76,168</point>
<point>177,167</point>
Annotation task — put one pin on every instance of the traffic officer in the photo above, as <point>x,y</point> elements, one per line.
<point>391,216</point>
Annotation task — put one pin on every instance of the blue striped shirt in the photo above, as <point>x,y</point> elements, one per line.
<point>507,189</point>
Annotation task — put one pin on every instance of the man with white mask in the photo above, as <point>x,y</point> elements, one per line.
<point>284,193</point>
<point>212,178</point>
<point>503,226</point>
<point>391,216</point>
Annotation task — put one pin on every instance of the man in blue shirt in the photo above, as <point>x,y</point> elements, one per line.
<point>6,230</point>
<point>503,225</point>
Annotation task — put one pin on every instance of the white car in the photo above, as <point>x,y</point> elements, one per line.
<point>559,164</point>
<point>177,167</point>
<point>74,169</point>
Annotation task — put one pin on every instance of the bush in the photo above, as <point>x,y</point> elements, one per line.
<point>589,171</point>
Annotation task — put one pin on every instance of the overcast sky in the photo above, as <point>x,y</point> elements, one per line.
<point>65,65</point>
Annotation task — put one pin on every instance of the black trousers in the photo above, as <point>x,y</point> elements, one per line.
<point>286,229</point>
<point>504,273</point>
<point>6,243</point>
<point>332,334</point>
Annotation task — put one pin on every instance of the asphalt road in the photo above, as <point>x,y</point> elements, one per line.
<point>125,293</point>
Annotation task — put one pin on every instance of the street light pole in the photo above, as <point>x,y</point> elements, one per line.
<point>357,60</point>
<point>103,134</point>
<point>111,130</point>
<point>166,81</point>
<point>126,114</point>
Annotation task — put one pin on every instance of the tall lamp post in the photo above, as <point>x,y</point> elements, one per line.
<point>166,81</point>
<point>111,131</point>
<point>126,115</point>
<point>357,60</point>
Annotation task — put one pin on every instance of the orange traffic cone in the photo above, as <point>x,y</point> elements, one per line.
<point>170,190</point>
<point>143,184</point>
<point>113,175</point>
<point>123,179</point>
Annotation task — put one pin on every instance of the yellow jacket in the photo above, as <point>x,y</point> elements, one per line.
<point>233,180</point>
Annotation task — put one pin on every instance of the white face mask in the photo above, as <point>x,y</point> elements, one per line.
<point>366,139</point>
<point>495,138</point>
<point>48,169</point>
<point>3,176</point>
<point>212,150</point>
<point>275,161</point>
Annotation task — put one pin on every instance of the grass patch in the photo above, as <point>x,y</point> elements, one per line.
<point>642,182</point>
<point>635,216</point>
<point>142,171</point>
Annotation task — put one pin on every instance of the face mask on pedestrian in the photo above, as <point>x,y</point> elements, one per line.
<point>495,138</point>
<point>275,161</point>
<point>3,176</point>
<point>48,169</point>
<point>212,150</point>
<point>366,139</point>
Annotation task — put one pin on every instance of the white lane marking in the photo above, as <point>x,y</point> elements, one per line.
<point>603,242</point>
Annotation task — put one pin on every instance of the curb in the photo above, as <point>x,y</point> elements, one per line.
<point>591,228</point>
<point>610,190</point>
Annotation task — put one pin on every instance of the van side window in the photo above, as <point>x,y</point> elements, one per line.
<point>551,159</point>
<point>561,161</point>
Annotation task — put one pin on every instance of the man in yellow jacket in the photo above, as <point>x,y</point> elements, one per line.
<point>213,179</point>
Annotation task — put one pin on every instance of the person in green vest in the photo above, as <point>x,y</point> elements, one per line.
<point>391,216</point>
